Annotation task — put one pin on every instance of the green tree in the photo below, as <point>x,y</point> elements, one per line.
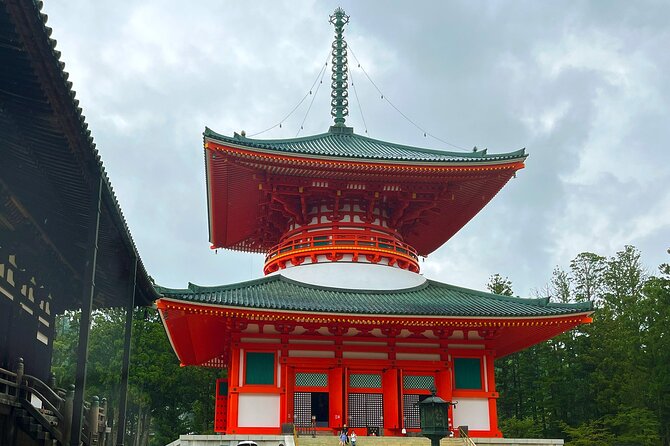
<point>500,285</point>
<point>657,342</point>
<point>164,399</point>
<point>605,383</point>
<point>587,271</point>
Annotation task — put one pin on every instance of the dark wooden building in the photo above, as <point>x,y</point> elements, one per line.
<point>64,243</point>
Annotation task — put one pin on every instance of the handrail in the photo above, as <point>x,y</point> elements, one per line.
<point>44,400</point>
<point>464,435</point>
<point>8,383</point>
<point>8,372</point>
<point>295,436</point>
<point>48,390</point>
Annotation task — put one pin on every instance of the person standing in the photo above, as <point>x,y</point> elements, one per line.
<point>353,438</point>
<point>343,438</point>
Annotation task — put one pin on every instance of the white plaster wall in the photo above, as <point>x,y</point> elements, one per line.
<point>472,412</point>
<point>361,276</point>
<point>258,410</point>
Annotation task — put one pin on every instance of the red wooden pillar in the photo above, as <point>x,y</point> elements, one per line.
<point>233,388</point>
<point>391,392</point>
<point>221,406</point>
<point>289,386</point>
<point>336,394</point>
<point>444,387</point>
<point>493,394</point>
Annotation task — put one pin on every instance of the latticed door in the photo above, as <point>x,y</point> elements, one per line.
<point>415,389</point>
<point>411,411</point>
<point>310,399</point>
<point>366,410</point>
<point>302,409</point>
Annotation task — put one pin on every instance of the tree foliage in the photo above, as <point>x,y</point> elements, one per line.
<point>607,383</point>
<point>164,399</point>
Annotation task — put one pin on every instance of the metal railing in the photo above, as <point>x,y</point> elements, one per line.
<point>306,430</point>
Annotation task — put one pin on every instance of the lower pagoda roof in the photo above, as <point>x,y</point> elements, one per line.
<point>430,299</point>
<point>203,321</point>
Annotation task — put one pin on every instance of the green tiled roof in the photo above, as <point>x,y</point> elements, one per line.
<point>346,144</point>
<point>429,299</point>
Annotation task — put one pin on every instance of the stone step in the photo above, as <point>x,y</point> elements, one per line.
<point>378,441</point>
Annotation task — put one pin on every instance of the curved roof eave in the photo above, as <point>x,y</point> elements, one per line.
<point>431,299</point>
<point>357,148</point>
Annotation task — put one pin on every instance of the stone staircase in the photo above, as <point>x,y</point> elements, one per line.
<point>38,427</point>
<point>332,440</point>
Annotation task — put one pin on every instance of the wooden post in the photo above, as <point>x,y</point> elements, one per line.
<point>88,292</point>
<point>8,435</point>
<point>67,414</point>
<point>93,413</point>
<point>102,441</point>
<point>125,367</point>
<point>20,369</point>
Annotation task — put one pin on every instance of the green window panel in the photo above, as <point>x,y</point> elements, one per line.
<point>311,379</point>
<point>260,368</point>
<point>468,373</point>
<point>418,382</point>
<point>363,380</point>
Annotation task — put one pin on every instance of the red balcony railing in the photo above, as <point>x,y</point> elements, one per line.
<point>336,243</point>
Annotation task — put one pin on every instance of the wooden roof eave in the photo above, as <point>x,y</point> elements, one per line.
<point>46,78</point>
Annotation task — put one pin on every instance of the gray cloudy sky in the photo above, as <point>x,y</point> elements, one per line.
<point>584,86</point>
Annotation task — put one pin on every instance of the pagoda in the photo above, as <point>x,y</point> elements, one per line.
<point>343,329</point>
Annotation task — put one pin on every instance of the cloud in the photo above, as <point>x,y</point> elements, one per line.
<point>582,86</point>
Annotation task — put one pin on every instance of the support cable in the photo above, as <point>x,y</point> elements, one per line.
<point>323,73</point>
<point>383,96</point>
<point>279,124</point>
<point>360,108</point>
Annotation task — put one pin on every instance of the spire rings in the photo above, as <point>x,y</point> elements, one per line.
<point>339,76</point>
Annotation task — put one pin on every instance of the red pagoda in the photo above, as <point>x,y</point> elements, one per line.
<point>343,329</point>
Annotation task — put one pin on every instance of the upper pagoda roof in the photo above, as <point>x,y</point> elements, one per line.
<point>257,189</point>
<point>342,142</point>
<point>432,298</point>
